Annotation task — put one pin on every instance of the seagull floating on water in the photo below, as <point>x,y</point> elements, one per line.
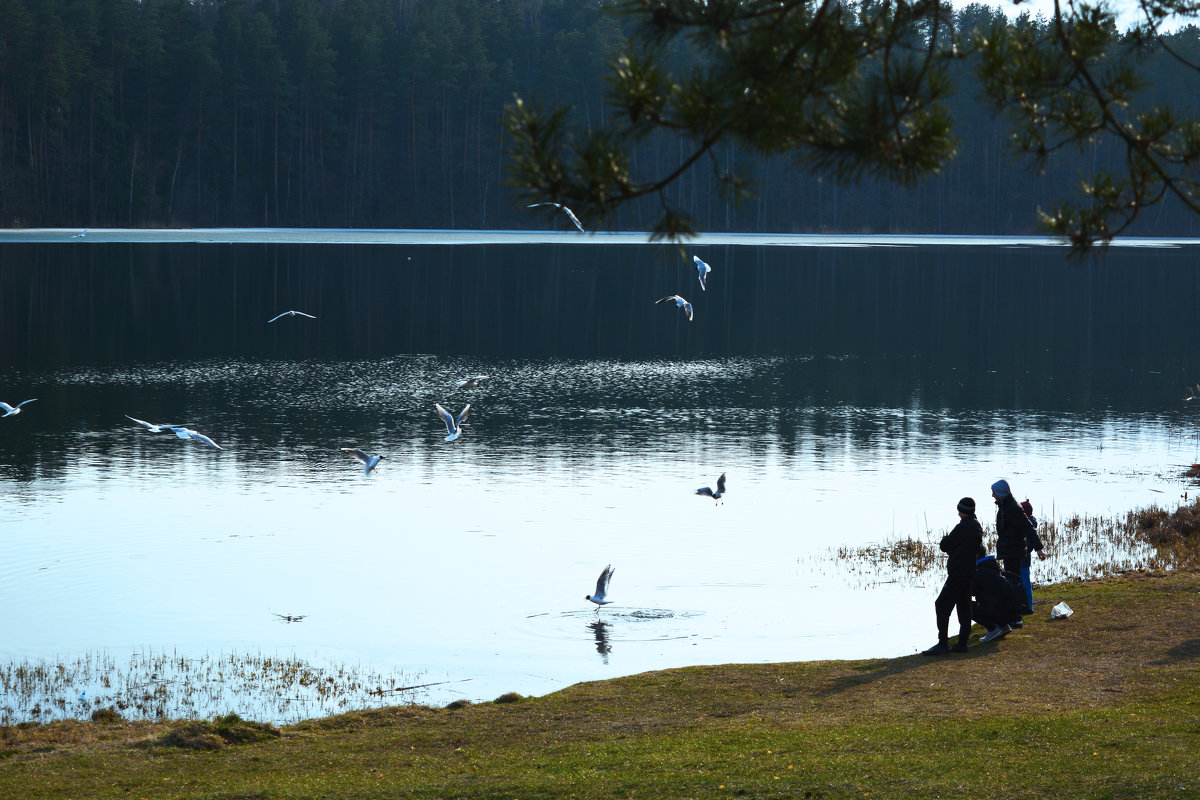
<point>453,423</point>
<point>369,462</point>
<point>153,427</point>
<point>291,314</point>
<point>679,303</point>
<point>566,210</point>
<point>188,433</point>
<point>708,492</point>
<point>12,410</point>
<point>601,595</point>
<point>471,383</point>
<point>703,269</point>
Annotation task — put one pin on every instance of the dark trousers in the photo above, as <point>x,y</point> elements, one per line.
<point>956,593</point>
<point>1012,574</point>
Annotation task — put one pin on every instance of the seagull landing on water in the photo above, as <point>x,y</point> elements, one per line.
<point>153,427</point>
<point>12,410</point>
<point>679,303</point>
<point>290,314</point>
<point>565,210</point>
<point>369,462</point>
<point>703,269</point>
<point>708,492</point>
<point>453,423</point>
<point>600,597</point>
<point>188,433</point>
<point>471,383</point>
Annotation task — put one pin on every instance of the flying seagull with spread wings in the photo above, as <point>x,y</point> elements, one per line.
<point>566,210</point>
<point>453,423</point>
<point>471,383</point>
<point>369,462</point>
<point>188,433</point>
<point>600,598</point>
<point>707,491</point>
<point>290,314</point>
<point>679,303</point>
<point>12,410</point>
<point>703,269</point>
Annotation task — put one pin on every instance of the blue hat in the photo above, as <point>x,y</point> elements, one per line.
<point>1000,488</point>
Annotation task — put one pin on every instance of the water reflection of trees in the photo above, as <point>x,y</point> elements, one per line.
<point>823,351</point>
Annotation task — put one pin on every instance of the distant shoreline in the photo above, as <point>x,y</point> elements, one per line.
<point>412,236</point>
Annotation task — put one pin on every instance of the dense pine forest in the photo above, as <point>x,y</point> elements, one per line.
<point>387,113</point>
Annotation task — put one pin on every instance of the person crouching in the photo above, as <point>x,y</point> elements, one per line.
<point>997,599</point>
<point>962,547</point>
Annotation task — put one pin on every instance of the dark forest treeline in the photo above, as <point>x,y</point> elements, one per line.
<point>386,113</point>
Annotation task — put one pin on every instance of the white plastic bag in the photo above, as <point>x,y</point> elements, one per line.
<point>1061,611</point>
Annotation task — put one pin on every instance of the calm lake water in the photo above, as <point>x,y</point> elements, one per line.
<point>852,390</point>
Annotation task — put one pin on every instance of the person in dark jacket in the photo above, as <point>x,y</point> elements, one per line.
<point>1013,535</point>
<point>961,546</point>
<point>1033,545</point>
<point>997,599</point>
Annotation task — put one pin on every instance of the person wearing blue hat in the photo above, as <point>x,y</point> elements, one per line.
<point>1015,535</point>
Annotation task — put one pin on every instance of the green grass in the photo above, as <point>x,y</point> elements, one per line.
<point>1105,704</point>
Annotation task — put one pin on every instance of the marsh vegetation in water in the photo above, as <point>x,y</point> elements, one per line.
<point>153,686</point>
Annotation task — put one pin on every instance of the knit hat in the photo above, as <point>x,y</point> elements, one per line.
<point>1027,507</point>
<point>1000,488</point>
<point>966,505</point>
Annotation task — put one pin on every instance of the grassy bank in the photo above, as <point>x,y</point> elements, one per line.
<point>1103,704</point>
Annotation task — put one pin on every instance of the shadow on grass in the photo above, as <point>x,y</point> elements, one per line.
<point>1184,651</point>
<point>889,668</point>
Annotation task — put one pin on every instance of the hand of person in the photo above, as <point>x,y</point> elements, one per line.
<point>1042,554</point>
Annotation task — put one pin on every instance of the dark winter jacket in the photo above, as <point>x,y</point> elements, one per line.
<point>997,599</point>
<point>1015,534</point>
<point>962,545</point>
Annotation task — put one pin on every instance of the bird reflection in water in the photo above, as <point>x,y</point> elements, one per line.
<point>600,631</point>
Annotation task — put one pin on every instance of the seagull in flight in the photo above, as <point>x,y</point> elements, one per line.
<point>13,410</point>
<point>453,423</point>
<point>703,269</point>
<point>81,234</point>
<point>152,426</point>
<point>291,314</point>
<point>188,433</point>
<point>566,210</point>
<point>471,383</point>
<point>708,492</point>
<point>369,462</point>
<point>679,303</point>
<point>601,595</point>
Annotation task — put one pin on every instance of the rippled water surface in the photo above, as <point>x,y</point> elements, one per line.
<point>851,395</point>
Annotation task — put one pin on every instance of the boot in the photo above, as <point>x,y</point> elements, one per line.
<point>939,649</point>
<point>961,645</point>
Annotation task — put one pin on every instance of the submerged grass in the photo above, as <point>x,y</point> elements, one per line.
<point>161,685</point>
<point>1103,704</point>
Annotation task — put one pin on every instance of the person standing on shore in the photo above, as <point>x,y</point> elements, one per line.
<point>1033,545</point>
<point>1013,536</point>
<point>962,546</point>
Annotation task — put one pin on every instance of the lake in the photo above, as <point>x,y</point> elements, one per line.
<point>852,389</point>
